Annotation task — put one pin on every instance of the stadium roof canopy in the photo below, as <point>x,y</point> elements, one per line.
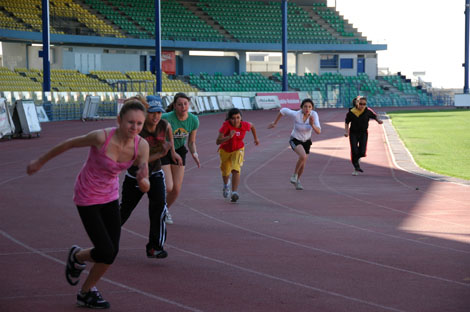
<point>59,39</point>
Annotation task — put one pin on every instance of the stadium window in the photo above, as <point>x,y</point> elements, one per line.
<point>329,61</point>
<point>346,63</point>
<point>257,58</point>
<point>275,59</point>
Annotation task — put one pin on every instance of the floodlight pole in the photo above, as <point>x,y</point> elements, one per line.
<point>284,45</point>
<point>467,31</point>
<point>158,47</point>
<point>46,64</point>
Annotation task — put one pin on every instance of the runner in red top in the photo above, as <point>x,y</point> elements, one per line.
<point>232,149</point>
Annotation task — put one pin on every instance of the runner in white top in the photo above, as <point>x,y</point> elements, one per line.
<point>305,120</point>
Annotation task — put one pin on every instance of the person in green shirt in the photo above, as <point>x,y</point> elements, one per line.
<point>184,127</point>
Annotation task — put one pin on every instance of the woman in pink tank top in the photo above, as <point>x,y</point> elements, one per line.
<point>96,194</point>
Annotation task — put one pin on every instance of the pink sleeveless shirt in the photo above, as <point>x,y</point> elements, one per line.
<point>98,180</point>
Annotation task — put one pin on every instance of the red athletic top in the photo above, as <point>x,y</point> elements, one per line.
<point>236,142</point>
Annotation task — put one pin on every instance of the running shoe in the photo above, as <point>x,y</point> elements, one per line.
<point>357,166</point>
<point>355,173</point>
<point>73,268</point>
<point>168,218</point>
<point>294,178</point>
<point>234,197</point>
<point>298,186</point>
<point>226,191</point>
<point>92,299</point>
<point>156,253</point>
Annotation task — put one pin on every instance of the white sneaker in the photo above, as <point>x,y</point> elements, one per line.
<point>298,186</point>
<point>226,191</point>
<point>168,219</point>
<point>235,197</point>
<point>294,178</point>
<point>355,173</point>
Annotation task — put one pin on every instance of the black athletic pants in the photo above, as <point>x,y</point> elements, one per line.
<point>102,224</point>
<point>358,142</point>
<point>131,195</point>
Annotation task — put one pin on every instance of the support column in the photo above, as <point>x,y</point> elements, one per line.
<point>284,46</point>
<point>467,30</point>
<point>158,48</point>
<point>46,63</point>
<point>241,62</point>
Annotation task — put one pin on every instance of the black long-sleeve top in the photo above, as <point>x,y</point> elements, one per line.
<point>155,141</point>
<point>361,123</point>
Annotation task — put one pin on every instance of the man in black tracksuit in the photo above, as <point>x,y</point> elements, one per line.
<point>359,117</point>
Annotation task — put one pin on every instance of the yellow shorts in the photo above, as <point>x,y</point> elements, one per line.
<point>231,161</point>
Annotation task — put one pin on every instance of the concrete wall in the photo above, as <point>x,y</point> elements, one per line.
<point>87,59</point>
<point>226,65</point>
<point>307,63</point>
<point>14,55</point>
<point>310,63</point>
<point>348,71</point>
<point>36,62</point>
<point>371,65</point>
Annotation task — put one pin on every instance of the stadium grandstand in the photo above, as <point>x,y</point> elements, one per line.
<point>107,48</point>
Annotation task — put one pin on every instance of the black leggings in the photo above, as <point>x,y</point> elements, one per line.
<point>358,142</point>
<point>103,226</point>
<point>131,196</point>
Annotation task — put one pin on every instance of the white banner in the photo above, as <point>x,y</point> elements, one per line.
<point>462,100</point>
<point>199,104</point>
<point>26,118</point>
<point>247,103</point>
<point>90,108</point>
<point>214,103</point>
<point>6,124</point>
<point>237,102</point>
<point>267,102</point>
<point>207,105</point>
<point>225,102</point>
<point>42,116</point>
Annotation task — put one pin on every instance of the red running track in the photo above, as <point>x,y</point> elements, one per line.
<point>368,243</point>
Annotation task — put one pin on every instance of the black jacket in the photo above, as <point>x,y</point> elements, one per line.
<point>361,123</point>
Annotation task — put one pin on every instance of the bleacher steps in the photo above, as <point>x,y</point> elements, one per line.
<point>351,28</point>
<point>320,21</point>
<point>98,14</point>
<point>386,85</point>
<point>392,89</point>
<point>193,8</point>
<point>19,21</point>
<point>347,26</point>
<point>71,26</point>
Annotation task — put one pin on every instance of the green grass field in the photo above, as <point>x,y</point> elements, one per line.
<point>438,140</point>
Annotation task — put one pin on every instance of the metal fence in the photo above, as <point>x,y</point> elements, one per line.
<point>69,105</point>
